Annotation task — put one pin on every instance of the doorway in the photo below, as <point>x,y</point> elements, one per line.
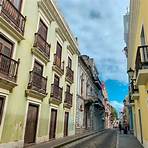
<point>66,124</point>
<point>31,124</point>
<point>53,120</point>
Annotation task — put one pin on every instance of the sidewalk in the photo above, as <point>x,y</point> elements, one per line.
<point>127,141</point>
<point>66,140</point>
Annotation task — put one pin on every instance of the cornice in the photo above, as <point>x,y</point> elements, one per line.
<point>53,14</point>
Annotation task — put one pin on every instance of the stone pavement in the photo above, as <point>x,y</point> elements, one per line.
<point>127,141</point>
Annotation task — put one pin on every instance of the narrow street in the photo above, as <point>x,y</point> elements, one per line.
<point>105,140</point>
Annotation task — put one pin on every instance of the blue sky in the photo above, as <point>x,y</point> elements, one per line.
<point>98,25</point>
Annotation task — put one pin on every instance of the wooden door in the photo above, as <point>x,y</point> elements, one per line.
<point>53,120</point>
<point>31,124</point>
<point>66,124</point>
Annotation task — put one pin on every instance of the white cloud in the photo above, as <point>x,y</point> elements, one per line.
<point>117,105</point>
<point>99,27</point>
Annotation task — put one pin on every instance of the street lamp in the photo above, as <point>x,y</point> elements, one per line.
<point>130,73</point>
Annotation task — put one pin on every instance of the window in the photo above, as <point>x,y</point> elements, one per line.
<point>58,54</point>
<point>43,30</point>
<point>56,80</point>
<point>69,63</point>
<point>2,101</point>
<point>38,68</point>
<point>17,4</point>
<point>6,46</point>
<point>82,81</point>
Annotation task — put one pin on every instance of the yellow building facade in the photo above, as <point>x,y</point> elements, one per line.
<point>137,54</point>
<point>38,73</point>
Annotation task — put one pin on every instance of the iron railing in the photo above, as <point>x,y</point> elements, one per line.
<point>37,82</point>
<point>42,45</point>
<point>8,67</point>
<point>12,15</point>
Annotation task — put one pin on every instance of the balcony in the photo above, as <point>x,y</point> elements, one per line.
<point>11,19</point>
<point>41,48</point>
<point>141,65</point>
<point>36,86</point>
<point>8,72</point>
<point>69,75</point>
<point>68,100</point>
<point>58,66</point>
<point>134,91</point>
<point>56,94</point>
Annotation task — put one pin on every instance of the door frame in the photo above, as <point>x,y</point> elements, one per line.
<point>5,95</point>
<point>37,103</point>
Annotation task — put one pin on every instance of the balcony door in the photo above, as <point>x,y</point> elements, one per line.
<point>43,30</point>
<point>58,54</point>
<point>69,63</point>
<point>56,80</point>
<point>37,74</point>
<point>17,4</point>
<point>5,54</point>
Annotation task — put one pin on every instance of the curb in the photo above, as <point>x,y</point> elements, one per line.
<point>79,138</point>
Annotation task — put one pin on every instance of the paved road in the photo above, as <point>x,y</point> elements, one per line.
<point>105,140</point>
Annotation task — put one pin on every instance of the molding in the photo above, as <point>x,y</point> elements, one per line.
<point>58,70</point>
<point>40,55</point>
<point>55,101</point>
<point>53,14</point>
<point>35,94</point>
<point>10,29</point>
<point>7,84</point>
<point>42,139</point>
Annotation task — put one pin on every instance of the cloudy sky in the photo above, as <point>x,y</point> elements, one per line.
<point>98,24</point>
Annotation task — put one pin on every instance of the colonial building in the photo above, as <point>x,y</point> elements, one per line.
<point>107,107</point>
<point>137,59</point>
<point>89,109</point>
<point>38,73</point>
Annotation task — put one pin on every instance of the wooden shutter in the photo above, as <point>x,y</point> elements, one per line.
<point>69,62</point>
<point>43,30</point>
<point>56,80</point>
<point>38,68</point>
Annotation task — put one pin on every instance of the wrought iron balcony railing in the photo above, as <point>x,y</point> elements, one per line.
<point>56,92</point>
<point>69,73</point>
<point>141,58</point>
<point>8,68</point>
<point>10,13</point>
<point>37,82</point>
<point>58,63</point>
<point>68,98</point>
<point>42,45</point>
